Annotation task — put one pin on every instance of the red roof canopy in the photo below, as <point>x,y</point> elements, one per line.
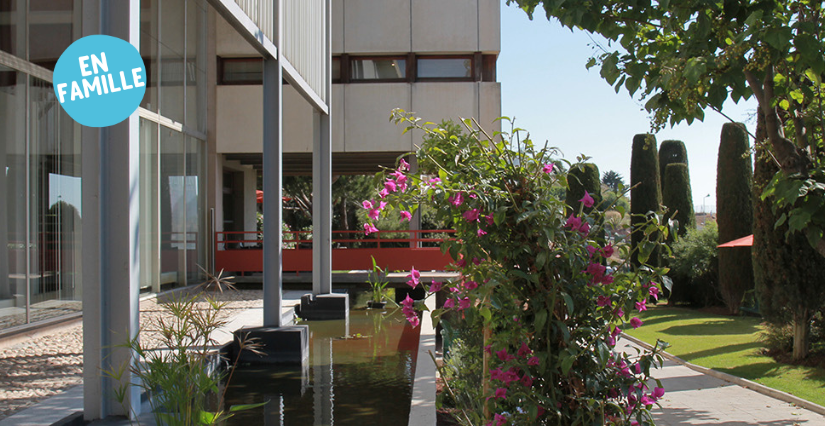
<point>741,242</point>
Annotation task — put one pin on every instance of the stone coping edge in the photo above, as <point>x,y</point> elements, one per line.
<point>745,383</point>
<point>422,404</point>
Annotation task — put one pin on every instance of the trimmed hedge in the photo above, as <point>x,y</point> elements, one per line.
<point>646,194</point>
<point>677,196</point>
<point>580,178</point>
<point>670,152</point>
<point>734,212</point>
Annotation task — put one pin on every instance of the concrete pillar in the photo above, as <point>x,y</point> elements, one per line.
<point>273,203</point>
<point>110,231</point>
<point>415,221</point>
<point>322,205</point>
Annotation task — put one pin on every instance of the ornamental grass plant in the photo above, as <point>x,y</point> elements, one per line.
<point>538,282</point>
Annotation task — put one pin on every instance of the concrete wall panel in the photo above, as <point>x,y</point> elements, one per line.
<point>445,26</point>
<point>368,108</point>
<point>298,131</point>
<point>229,43</point>
<point>338,114</point>
<point>378,26</point>
<point>239,119</point>
<point>489,24</point>
<point>438,101</point>
<point>337,27</point>
<point>489,105</point>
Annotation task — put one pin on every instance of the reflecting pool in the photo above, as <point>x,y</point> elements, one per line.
<point>359,372</point>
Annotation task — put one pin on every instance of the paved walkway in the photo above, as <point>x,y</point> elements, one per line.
<point>693,398</point>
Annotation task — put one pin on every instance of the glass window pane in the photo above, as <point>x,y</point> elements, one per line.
<point>55,206</point>
<point>13,27</point>
<point>195,65</point>
<point>242,71</point>
<point>445,68</point>
<point>171,85</point>
<point>379,69</point>
<point>149,51</point>
<point>195,193</point>
<point>336,69</point>
<point>13,192</point>
<point>51,30</point>
<point>149,226</point>
<point>172,208</point>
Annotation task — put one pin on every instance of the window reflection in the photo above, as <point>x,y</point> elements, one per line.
<point>378,69</point>
<point>445,68</point>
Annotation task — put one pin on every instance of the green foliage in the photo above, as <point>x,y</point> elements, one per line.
<point>670,151</point>
<point>583,177</point>
<point>377,279</point>
<point>613,180</point>
<point>645,192</point>
<point>683,57</point>
<point>532,278</point>
<point>178,376</point>
<point>734,212</point>
<point>694,268</point>
<point>677,196</point>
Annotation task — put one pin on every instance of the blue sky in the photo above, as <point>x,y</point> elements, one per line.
<point>547,89</point>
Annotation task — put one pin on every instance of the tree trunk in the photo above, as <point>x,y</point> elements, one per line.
<point>800,334</point>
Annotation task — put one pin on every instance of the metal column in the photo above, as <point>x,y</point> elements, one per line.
<point>273,192</point>
<point>322,181</point>
<point>111,260</point>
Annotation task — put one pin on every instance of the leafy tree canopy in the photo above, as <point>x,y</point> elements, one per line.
<point>613,180</point>
<point>682,57</point>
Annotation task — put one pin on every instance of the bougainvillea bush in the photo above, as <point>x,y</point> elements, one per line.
<point>536,280</point>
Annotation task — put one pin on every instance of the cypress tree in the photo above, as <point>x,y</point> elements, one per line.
<point>646,194</point>
<point>787,272</point>
<point>734,212</point>
<point>670,151</point>
<point>677,196</point>
<point>583,177</point>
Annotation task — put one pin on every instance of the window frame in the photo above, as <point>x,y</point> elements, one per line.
<point>352,59</point>
<point>222,68</point>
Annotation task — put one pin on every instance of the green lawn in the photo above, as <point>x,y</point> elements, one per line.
<point>727,344</point>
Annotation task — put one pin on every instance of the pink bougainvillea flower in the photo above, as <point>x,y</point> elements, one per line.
<point>374,213</point>
<point>619,312</point>
<point>414,320</point>
<point>548,168</point>
<point>527,381</point>
<point>403,165</point>
<point>383,193</point>
<point>434,181</point>
<point>463,303</point>
<point>524,350</point>
<point>414,277</point>
<point>504,356</point>
<point>402,187</point>
<point>471,215</point>
<point>435,286</point>
<point>477,261</point>
<point>654,291</point>
<point>405,215</point>
<point>573,223</point>
<point>390,185</point>
<point>399,176</point>
<point>533,361</point>
<point>587,200</point>
<point>367,204</point>
<point>481,232</point>
<point>368,228</point>
<point>637,368</point>
<point>641,306</point>
<point>584,229</point>
<point>607,250</point>
<point>657,393</point>
<point>635,322</point>
<point>596,270</point>
<point>454,289</point>
<point>603,301</point>
<point>591,250</point>
<point>471,285</point>
<point>488,349</point>
<point>449,303</point>
<point>541,411</point>
<point>456,199</point>
<point>607,279</point>
<point>500,419</point>
<point>490,219</point>
<point>461,263</point>
<point>407,303</point>
<point>646,400</point>
<point>501,393</point>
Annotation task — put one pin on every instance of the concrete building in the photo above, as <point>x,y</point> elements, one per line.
<point>91,217</point>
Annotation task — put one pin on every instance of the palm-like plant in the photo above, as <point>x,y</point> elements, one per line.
<point>218,281</point>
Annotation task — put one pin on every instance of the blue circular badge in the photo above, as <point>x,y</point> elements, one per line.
<point>100,80</point>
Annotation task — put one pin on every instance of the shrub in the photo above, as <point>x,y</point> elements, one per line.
<point>646,193</point>
<point>670,152</point>
<point>532,282</point>
<point>583,178</point>
<point>694,268</point>
<point>678,197</point>
<point>734,213</point>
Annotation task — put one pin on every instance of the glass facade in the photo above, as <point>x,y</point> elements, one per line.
<point>41,217</point>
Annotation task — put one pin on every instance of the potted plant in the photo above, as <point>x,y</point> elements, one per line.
<point>377,279</point>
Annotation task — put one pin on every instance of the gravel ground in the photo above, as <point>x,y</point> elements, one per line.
<point>46,365</point>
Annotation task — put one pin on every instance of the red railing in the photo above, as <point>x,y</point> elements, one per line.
<point>241,251</point>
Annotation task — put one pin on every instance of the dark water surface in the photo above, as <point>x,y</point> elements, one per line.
<point>358,373</point>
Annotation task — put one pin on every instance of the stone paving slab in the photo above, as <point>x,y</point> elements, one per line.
<point>694,398</point>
